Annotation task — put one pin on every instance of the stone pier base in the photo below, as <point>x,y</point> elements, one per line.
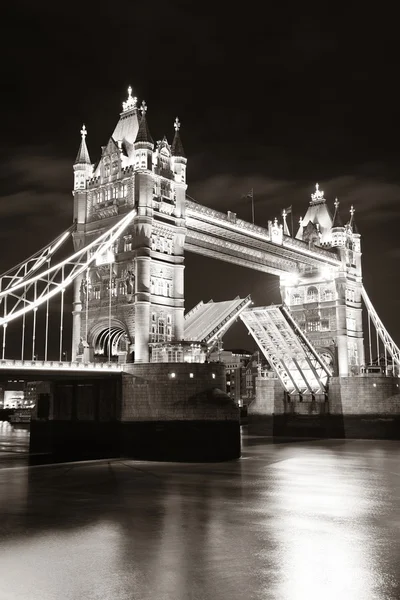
<point>364,407</point>
<point>172,411</point>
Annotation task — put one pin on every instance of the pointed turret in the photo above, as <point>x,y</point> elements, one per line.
<point>144,145</point>
<point>337,221</point>
<point>338,230</point>
<point>82,167</point>
<point>356,237</point>
<point>83,170</point>
<point>179,162</point>
<point>177,146</point>
<point>83,158</point>
<point>143,134</point>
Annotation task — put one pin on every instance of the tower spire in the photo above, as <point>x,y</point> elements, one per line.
<point>143,134</point>
<point>83,158</point>
<point>177,146</point>
<point>337,221</point>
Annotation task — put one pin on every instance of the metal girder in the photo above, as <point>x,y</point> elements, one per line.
<point>296,362</point>
<point>26,268</point>
<point>387,341</point>
<point>29,292</point>
<point>201,220</point>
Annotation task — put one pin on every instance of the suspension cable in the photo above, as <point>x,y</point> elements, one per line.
<point>47,315</point>
<point>87,312</point>
<point>4,330</point>
<point>61,313</point>
<point>369,339</point>
<point>34,321</point>
<point>109,314</point>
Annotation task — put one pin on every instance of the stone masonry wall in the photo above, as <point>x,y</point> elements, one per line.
<point>364,395</point>
<point>269,397</point>
<point>166,392</point>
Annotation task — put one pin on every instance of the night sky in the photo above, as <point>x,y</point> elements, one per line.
<point>274,97</point>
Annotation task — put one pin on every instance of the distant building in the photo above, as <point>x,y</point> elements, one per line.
<point>235,362</point>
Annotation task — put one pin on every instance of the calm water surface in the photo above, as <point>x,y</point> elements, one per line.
<point>293,521</point>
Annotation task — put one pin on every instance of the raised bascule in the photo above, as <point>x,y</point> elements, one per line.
<point>133,223</point>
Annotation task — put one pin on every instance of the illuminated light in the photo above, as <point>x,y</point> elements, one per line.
<point>290,279</point>
<point>173,375</point>
<point>374,384</point>
<point>131,102</point>
<point>318,195</point>
<point>326,273</point>
<point>191,375</point>
<point>213,375</point>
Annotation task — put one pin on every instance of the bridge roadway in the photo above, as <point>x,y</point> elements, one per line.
<point>224,237</point>
<point>288,521</point>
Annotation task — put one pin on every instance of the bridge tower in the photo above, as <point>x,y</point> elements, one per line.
<point>134,295</point>
<point>326,302</point>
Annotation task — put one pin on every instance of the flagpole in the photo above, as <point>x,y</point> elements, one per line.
<point>291,222</point>
<point>252,204</point>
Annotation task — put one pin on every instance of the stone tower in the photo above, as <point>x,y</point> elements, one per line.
<point>134,296</point>
<point>327,302</point>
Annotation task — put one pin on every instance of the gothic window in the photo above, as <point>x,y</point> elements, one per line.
<point>124,190</point>
<point>152,285</point>
<point>153,317</point>
<point>107,194</point>
<point>169,320</point>
<point>114,193</point>
<point>153,333</point>
<point>350,295</point>
<point>314,325</point>
<point>115,167</point>
<point>168,289</point>
<point>325,325</point>
<point>107,170</point>
<point>127,243</point>
<point>121,288</point>
<point>296,299</point>
<point>96,293</point>
<point>143,159</point>
<point>169,333</point>
<point>328,295</point>
<point>312,294</point>
<point>161,329</point>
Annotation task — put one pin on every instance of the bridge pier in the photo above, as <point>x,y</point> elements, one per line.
<point>364,406</point>
<point>170,411</point>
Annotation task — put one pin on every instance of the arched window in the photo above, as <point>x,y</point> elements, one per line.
<point>312,294</point>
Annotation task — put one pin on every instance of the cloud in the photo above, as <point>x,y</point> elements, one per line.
<point>35,203</point>
<point>373,199</point>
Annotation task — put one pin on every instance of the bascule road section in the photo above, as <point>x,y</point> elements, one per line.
<point>323,373</point>
<point>300,368</point>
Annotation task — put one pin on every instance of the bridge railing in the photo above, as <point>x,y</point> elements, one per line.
<point>55,365</point>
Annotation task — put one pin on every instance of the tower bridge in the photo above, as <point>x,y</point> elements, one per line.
<point>133,223</point>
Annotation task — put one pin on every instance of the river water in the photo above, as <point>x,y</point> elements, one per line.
<point>289,521</point>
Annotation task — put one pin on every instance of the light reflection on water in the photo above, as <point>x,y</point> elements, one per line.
<point>288,522</point>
